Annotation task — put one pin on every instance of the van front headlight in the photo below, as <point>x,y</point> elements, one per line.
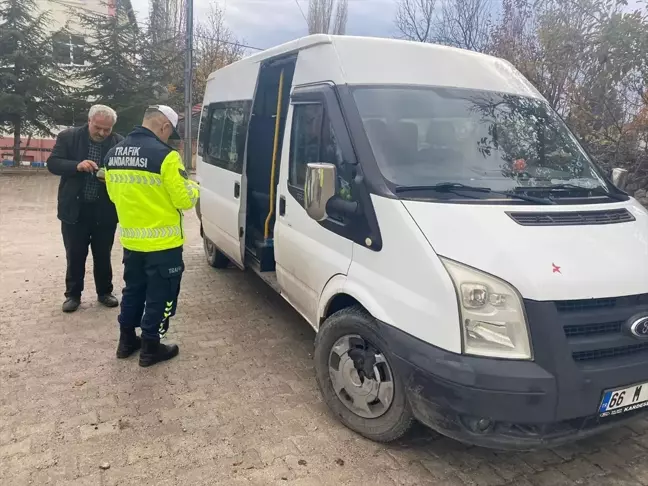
<point>492,314</point>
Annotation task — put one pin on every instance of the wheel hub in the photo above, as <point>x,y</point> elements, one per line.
<point>209,247</point>
<point>361,377</point>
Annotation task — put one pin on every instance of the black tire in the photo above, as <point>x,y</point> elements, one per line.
<point>398,419</point>
<point>215,257</point>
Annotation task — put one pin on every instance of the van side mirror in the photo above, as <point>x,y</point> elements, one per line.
<point>620,178</point>
<point>319,189</point>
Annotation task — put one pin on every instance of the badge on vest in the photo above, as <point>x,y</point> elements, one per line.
<point>183,173</point>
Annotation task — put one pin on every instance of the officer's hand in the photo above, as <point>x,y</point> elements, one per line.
<point>87,166</point>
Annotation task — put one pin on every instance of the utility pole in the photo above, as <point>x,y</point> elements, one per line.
<point>187,82</point>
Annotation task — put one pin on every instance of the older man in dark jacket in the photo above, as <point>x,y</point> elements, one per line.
<point>88,217</point>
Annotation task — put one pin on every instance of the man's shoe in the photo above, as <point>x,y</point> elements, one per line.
<point>154,351</point>
<point>129,342</point>
<point>109,300</point>
<point>71,304</point>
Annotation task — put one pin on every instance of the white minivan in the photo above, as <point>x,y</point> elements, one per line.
<point>462,259</point>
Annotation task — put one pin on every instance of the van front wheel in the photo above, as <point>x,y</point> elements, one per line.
<point>356,378</point>
<point>215,257</point>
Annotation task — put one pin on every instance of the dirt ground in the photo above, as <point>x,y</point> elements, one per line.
<point>238,406</point>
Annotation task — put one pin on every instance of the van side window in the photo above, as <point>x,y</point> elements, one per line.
<point>225,142</point>
<point>314,140</point>
<point>306,141</point>
<point>204,121</point>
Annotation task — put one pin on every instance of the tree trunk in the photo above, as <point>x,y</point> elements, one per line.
<point>29,137</point>
<point>16,146</point>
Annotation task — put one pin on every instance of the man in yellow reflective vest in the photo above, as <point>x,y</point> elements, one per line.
<point>150,188</point>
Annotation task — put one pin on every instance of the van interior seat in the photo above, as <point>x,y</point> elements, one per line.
<point>441,138</point>
<point>406,141</point>
<point>379,138</point>
<point>259,168</point>
<point>259,207</point>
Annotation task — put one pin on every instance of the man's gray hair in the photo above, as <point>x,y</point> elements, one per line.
<point>104,111</point>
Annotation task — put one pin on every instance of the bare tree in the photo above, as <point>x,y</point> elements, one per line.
<point>166,18</point>
<point>415,19</point>
<point>321,15</point>
<point>465,24</point>
<point>341,16</point>
<point>215,46</point>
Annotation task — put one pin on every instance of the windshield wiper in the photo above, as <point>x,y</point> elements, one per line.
<point>574,187</point>
<point>456,186</point>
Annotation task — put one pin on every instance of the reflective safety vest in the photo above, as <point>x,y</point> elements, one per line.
<point>150,188</point>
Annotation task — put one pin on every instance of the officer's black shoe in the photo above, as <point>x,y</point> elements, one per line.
<point>71,304</point>
<point>109,300</point>
<point>129,342</point>
<point>154,351</point>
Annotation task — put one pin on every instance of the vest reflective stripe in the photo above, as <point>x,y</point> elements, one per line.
<point>190,192</point>
<point>144,233</point>
<point>150,180</point>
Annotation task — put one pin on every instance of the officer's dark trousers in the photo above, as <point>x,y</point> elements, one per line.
<point>150,295</point>
<point>88,232</point>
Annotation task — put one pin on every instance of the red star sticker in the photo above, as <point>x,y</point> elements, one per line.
<point>556,268</point>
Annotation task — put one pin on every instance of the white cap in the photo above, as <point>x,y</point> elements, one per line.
<point>171,115</point>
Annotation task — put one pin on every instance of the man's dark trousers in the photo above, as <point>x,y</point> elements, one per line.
<point>150,296</point>
<point>99,235</point>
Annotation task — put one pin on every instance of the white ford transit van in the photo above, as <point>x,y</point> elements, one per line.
<point>462,259</point>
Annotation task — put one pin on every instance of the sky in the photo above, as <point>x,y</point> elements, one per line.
<point>267,23</point>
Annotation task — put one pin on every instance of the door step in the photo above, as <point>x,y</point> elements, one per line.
<point>263,253</point>
<point>269,277</point>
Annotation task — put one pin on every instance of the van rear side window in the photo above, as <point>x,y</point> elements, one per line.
<point>202,135</point>
<point>223,134</point>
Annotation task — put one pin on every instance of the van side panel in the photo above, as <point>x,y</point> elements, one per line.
<point>307,254</point>
<point>234,82</point>
<point>407,278</point>
<point>221,202</point>
<point>318,64</point>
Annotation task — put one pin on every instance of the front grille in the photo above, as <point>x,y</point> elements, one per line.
<point>572,218</point>
<point>582,305</point>
<point>610,352</point>
<point>595,328</point>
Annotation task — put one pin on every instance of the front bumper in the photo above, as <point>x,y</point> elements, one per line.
<point>515,405</point>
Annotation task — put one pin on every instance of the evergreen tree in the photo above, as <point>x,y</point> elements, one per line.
<point>162,60</point>
<point>163,56</point>
<point>113,74</point>
<point>31,89</point>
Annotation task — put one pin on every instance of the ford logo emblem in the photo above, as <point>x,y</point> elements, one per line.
<point>639,327</point>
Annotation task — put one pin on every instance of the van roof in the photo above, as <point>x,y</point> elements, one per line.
<point>405,62</point>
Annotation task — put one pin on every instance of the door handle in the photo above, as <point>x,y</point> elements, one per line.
<point>237,190</point>
<point>282,205</point>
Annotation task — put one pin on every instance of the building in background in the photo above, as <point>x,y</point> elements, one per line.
<point>68,44</point>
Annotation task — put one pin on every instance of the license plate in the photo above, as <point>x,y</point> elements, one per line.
<point>624,400</point>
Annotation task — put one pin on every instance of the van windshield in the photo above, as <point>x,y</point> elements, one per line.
<point>429,136</point>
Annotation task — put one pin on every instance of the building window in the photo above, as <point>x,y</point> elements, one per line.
<point>68,49</point>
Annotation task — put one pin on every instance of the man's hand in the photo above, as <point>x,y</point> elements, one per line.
<point>87,166</point>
